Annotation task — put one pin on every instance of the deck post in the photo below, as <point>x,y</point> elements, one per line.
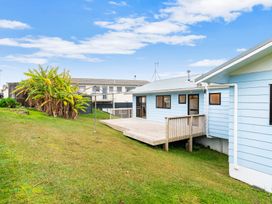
<point>191,135</point>
<point>166,145</point>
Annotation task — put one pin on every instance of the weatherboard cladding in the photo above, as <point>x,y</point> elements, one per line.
<point>218,119</point>
<point>254,131</point>
<point>159,114</point>
<point>218,114</point>
<point>121,82</point>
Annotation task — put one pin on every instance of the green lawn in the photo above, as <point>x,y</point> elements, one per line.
<point>50,160</point>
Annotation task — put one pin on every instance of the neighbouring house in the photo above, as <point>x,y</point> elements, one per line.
<point>230,107</point>
<point>109,93</point>
<point>8,89</point>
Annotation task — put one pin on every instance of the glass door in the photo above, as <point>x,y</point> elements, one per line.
<point>141,106</point>
<point>193,104</point>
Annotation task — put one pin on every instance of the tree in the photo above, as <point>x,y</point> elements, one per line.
<point>51,92</point>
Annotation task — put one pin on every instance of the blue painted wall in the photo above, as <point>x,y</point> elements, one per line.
<point>254,131</point>
<point>219,115</point>
<point>159,114</point>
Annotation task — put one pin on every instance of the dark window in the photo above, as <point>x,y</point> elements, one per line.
<point>215,98</point>
<point>111,89</point>
<point>182,99</point>
<point>119,89</point>
<point>163,102</point>
<point>270,114</point>
<point>96,89</point>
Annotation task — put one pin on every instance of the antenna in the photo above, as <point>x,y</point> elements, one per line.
<point>156,75</point>
<point>189,77</point>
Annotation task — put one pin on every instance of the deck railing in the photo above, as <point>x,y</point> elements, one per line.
<point>184,127</point>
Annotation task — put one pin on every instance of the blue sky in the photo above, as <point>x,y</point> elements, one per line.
<point>120,39</point>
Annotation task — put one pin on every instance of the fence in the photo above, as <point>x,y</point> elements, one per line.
<point>119,112</point>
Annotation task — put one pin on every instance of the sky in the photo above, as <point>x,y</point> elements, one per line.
<point>122,38</point>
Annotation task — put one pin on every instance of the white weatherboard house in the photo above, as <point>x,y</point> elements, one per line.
<point>233,103</point>
<point>238,114</point>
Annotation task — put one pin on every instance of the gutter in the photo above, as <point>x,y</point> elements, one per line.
<point>207,109</point>
<point>200,88</point>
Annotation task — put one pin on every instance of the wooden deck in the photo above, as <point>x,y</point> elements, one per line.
<point>155,133</point>
<point>150,132</point>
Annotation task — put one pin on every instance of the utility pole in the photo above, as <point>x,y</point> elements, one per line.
<point>113,105</point>
<point>95,88</point>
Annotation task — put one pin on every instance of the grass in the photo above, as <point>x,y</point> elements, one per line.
<point>52,160</point>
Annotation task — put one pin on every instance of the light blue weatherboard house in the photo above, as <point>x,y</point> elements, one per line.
<point>236,99</point>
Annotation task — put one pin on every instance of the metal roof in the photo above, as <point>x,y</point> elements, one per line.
<point>168,85</point>
<point>235,59</point>
<point>94,81</point>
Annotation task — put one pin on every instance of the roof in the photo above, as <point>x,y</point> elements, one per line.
<point>259,50</point>
<point>93,81</point>
<point>167,85</point>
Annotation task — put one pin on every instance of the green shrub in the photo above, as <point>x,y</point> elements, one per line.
<point>8,103</point>
<point>52,92</point>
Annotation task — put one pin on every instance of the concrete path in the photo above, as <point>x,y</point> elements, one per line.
<point>150,132</point>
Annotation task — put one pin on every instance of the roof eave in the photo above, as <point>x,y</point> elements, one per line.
<point>167,90</point>
<point>235,61</point>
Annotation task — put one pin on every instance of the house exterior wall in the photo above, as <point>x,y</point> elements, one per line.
<point>218,114</point>
<point>158,114</point>
<point>122,97</point>
<point>254,131</point>
<point>6,93</point>
<point>218,119</point>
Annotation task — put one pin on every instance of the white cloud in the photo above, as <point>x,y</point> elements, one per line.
<point>28,59</point>
<point>120,3</point>
<point>108,43</point>
<point>170,26</point>
<point>241,49</point>
<point>9,24</point>
<point>208,63</point>
<point>140,25</point>
<point>122,24</point>
<point>191,12</point>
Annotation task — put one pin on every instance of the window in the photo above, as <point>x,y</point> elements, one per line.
<point>270,115</point>
<point>163,102</point>
<point>96,89</point>
<point>182,98</point>
<point>119,89</point>
<point>215,98</point>
<point>111,89</point>
<point>129,89</point>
